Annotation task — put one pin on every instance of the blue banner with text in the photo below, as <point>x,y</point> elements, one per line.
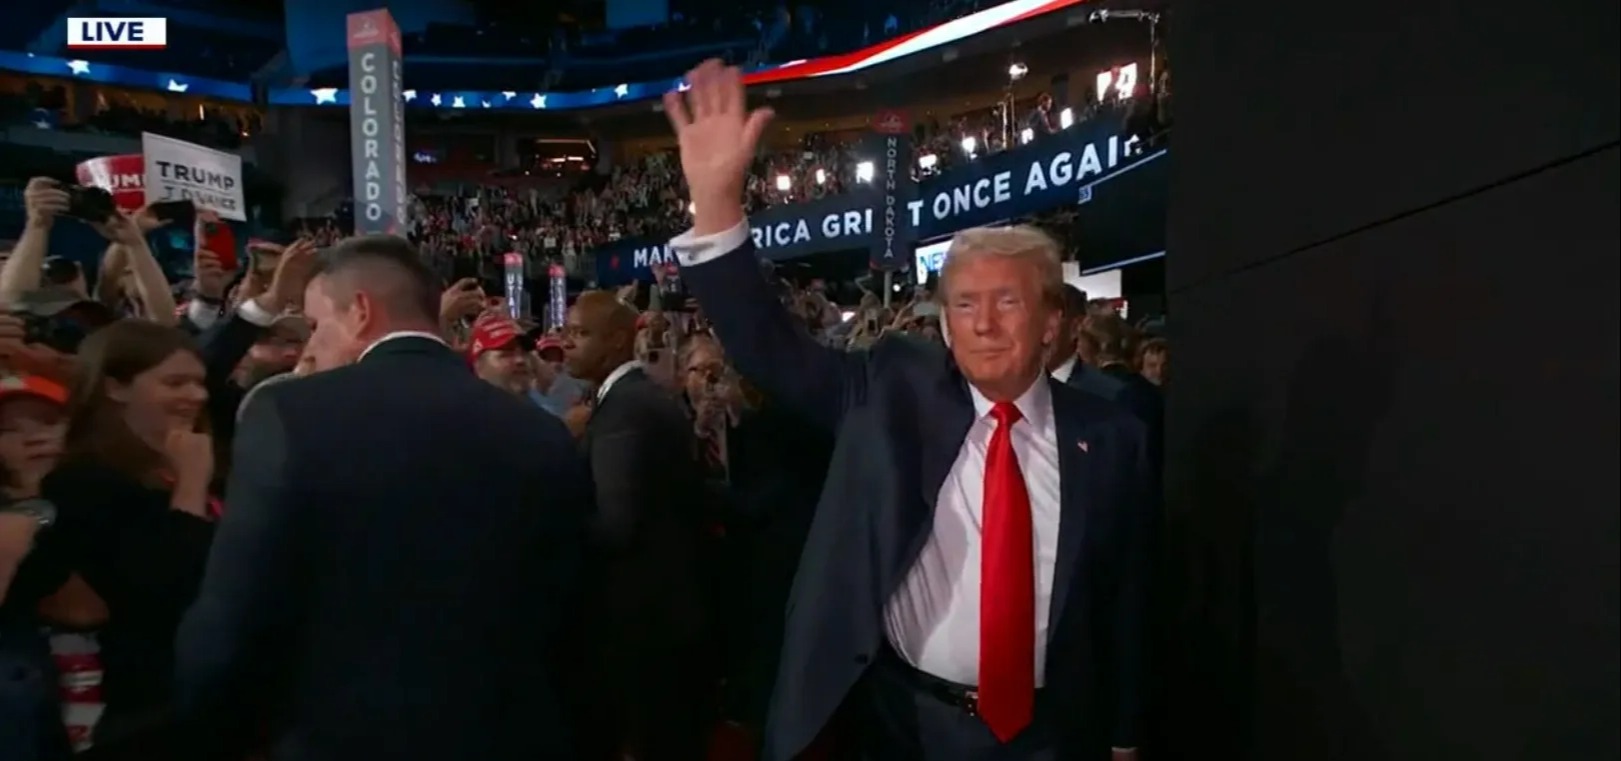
<point>1064,169</point>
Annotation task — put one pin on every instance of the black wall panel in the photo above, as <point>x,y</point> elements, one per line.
<point>1393,425</point>
<point>1300,121</point>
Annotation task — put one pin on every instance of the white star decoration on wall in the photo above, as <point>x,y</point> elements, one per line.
<point>325,95</point>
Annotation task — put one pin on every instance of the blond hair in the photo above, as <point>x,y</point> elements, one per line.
<point>1024,242</point>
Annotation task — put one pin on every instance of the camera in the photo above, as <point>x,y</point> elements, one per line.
<point>59,334</point>
<point>63,329</point>
<point>90,204</point>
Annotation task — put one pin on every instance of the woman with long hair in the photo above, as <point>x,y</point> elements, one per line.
<point>135,515</point>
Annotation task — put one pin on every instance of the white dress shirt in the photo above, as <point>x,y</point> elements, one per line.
<point>933,618</point>
<point>613,377</point>
<point>204,316</point>
<point>1064,371</point>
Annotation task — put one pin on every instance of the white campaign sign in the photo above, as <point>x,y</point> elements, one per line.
<point>178,170</point>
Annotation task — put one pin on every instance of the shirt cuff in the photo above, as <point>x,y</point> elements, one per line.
<point>202,315</point>
<point>251,311</point>
<point>692,250</point>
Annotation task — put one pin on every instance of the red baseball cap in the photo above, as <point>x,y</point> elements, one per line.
<point>549,343</point>
<point>14,386</point>
<point>493,335</point>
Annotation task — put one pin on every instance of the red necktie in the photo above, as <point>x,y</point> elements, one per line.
<point>1007,588</point>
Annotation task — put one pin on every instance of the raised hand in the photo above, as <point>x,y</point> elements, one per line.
<point>717,136</point>
<point>44,199</point>
<point>462,300</point>
<point>293,270</point>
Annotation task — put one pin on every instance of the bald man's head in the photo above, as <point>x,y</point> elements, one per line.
<point>363,289</point>
<point>599,336</point>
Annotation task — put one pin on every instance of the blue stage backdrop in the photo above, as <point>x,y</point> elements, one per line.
<point>1073,167</point>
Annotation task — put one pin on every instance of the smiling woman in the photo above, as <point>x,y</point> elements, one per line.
<point>134,515</point>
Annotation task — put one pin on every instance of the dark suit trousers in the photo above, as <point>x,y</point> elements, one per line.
<point>904,716</point>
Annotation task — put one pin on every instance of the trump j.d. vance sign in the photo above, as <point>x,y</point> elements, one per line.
<point>1057,170</point>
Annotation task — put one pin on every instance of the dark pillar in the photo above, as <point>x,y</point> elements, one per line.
<point>1393,424</point>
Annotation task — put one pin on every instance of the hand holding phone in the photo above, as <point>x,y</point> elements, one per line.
<point>264,256</point>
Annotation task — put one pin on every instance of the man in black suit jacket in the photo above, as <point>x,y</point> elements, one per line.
<point>1068,362</point>
<point>639,683</point>
<point>963,482</point>
<point>397,545</point>
<point>1105,339</point>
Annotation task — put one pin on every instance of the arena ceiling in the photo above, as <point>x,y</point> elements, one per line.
<point>960,78</point>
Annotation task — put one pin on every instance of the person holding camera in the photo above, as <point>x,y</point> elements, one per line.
<point>260,330</point>
<point>130,276</point>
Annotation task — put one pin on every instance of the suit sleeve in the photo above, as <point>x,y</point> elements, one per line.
<point>222,347</point>
<point>624,452</point>
<point>1132,633</point>
<point>231,641</point>
<point>761,338</point>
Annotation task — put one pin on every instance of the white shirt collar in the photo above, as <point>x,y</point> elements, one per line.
<point>400,334</point>
<point>613,377</point>
<point>1064,371</point>
<point>1035,404</point>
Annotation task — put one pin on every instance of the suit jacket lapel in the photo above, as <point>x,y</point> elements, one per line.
<point>623,383</point>
<point>1076,483</point>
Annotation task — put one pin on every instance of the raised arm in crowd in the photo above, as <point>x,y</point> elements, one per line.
<point>130,275</point>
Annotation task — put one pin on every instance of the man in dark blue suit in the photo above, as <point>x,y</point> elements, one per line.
<point>397,547</point>
<point>1065,364</point>
<point>973,584</point>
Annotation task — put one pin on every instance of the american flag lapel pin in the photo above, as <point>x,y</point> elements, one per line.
<point>1083,445</point>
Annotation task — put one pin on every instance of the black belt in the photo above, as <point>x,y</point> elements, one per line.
<point>959,696</point>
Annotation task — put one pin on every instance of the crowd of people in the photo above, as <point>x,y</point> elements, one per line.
<point>321,505</point>
<point>646,197</point>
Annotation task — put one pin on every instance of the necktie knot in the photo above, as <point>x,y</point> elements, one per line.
<point>1006,413</point>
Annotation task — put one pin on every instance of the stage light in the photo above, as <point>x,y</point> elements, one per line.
<point>1017,71</point>
<point>864,171</point>
<point>1066,117</point>
<point>969,144</point>
<point>784,182</point>
<point>928,160</point>
<point>1026,135</point>
<point>821,177</point>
